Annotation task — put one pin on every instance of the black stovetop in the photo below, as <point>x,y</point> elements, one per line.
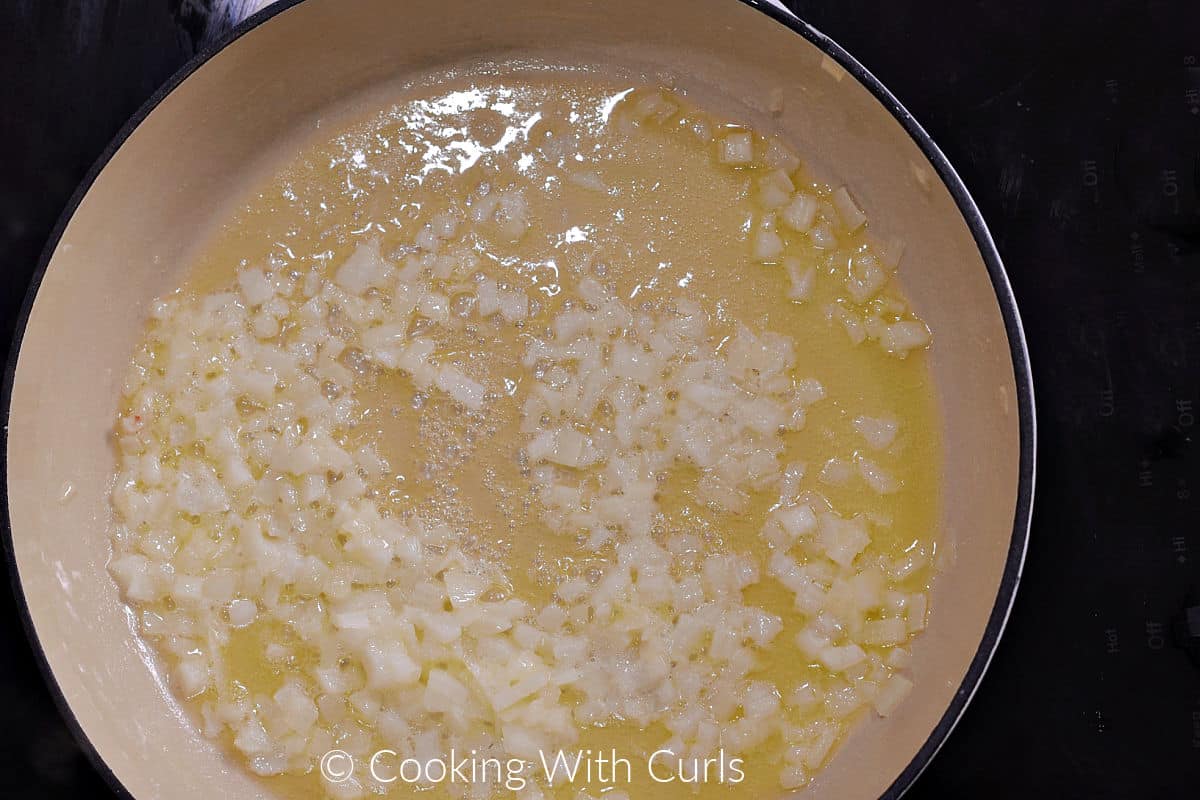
<point>1076,125</point>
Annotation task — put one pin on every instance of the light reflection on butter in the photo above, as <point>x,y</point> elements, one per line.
<point>451,148</point>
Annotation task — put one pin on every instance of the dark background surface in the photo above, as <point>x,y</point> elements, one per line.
<point>1076,124</point>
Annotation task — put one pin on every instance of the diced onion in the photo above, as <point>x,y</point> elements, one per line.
<point>800,213</point>
<point>255,506</point>
<point>848,209</point>
<point>736,148</point>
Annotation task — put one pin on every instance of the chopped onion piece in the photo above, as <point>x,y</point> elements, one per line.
<point>874,475</point>
<point>363,269</point>
<point>891,694</point>
<point>901,337</point>
<point>802,279</point>
<point>800,213</point>
<point>463,389</point>
<point>775,189</point>
<point>767,245</point>
<point>851,214</point>
<point>736,148</point>
<point>879,432</point>
<point>242,612</point>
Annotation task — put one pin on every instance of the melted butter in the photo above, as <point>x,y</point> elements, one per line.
<point>645,206</point>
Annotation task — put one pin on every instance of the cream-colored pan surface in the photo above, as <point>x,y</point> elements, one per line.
<point>250,105</point>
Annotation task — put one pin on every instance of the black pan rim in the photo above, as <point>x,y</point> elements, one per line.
<point>1022,375</point>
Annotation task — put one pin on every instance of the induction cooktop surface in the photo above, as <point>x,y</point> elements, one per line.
<point>1076,126</point>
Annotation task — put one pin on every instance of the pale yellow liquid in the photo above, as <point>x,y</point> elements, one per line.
<point>673,226</point>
